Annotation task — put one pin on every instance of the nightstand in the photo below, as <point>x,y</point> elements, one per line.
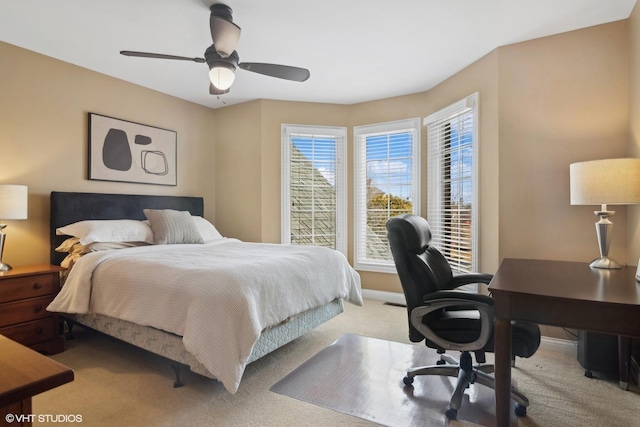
<point>25,293</point>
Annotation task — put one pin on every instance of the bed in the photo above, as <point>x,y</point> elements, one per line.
<point>105,279</point>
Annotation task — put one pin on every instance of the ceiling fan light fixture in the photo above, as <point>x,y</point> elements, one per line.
<point>221,70</point>
<point>222,75</point>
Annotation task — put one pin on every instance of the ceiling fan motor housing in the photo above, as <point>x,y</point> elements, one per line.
<point>223,11</point>
<point>213,58</point>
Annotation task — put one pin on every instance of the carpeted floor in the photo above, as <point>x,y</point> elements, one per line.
<point>117,384</point>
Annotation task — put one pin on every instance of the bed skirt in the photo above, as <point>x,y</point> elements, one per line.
<point>170,345</point>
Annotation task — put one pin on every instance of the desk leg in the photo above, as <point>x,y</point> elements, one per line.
<point>502,337</point>
<point>624,358</point>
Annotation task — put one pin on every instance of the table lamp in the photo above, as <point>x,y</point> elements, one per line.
<point>13,205</point>
<point>605,182</point>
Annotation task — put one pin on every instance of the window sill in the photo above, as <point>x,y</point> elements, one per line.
<point>375,267</point>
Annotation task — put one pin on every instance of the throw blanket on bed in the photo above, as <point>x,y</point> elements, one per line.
<point>218,296</point>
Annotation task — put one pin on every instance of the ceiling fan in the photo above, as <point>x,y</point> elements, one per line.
<point>222,58</point>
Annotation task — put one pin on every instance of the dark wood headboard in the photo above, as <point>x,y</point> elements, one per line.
<point>67,208</point>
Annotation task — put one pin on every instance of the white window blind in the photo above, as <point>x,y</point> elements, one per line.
<point>387,184</point>
<point>452,182</point>
<point>313,186</point>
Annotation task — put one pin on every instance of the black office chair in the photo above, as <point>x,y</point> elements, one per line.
<point>448,319</point>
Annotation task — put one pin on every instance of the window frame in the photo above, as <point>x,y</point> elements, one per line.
<point>469,103</point>
<point>340,133</point>
<point>360,134</point>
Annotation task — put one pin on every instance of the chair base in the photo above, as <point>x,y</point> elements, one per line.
<point>467,374</point>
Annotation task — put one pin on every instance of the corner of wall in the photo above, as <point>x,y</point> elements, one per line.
<point>633,148</point>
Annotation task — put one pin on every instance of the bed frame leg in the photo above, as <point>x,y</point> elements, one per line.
<point>177,383</point>
<point>69,323</point>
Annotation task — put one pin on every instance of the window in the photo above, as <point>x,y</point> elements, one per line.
<point>452,178</point>
<point>313,186</point>
<point>387,180</point>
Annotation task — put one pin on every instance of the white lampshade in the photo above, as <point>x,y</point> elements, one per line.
<point>221,76</point>
<point>605,182</point>
<point>13,201</point>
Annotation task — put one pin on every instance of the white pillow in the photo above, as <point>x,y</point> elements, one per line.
<point>111,230</point>
<point>207,230</point>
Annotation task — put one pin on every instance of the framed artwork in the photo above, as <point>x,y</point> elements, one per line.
<point>124,151</point>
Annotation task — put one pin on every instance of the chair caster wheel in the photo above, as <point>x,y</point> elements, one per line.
<point>588,373</point>
<point>451,413</point>
<point>520,410</point>
<point>407,380</point>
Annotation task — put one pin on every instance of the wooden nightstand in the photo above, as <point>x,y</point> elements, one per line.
<point>25,293</point>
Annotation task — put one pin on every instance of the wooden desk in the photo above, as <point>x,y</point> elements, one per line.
<point>23,374</point>
<point>558,293</point>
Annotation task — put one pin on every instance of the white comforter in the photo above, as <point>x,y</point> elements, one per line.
<point>218,296</point>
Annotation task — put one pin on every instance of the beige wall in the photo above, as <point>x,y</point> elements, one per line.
<point>237,168</point>
<point>43,139</point>
<point>563,99</point>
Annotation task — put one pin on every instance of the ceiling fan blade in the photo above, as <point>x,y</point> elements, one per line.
<point>275,70</point>
<point>224,33</point>
<point>160,56</point>
<point>215,91</point>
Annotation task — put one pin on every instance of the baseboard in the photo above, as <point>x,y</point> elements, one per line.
<point>559,345</point>
<point>546,343</point>
<point>392,297</point>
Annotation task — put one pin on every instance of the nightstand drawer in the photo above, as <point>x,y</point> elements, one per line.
<point>16,288</point>
<point>32,332</point>
<point>24,310</point>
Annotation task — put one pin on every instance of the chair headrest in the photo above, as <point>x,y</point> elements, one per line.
<point>414,229</point>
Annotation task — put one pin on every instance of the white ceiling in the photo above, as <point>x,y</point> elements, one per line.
<point>356,50</point>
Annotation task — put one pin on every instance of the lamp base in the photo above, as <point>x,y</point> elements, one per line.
<point>604,263</point>
<point>3,266</point>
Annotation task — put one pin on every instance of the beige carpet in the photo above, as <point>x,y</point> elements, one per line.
<point>117,384</point>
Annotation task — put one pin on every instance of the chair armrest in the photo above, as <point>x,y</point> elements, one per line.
<point>470,278</point>
<point>460,300</point>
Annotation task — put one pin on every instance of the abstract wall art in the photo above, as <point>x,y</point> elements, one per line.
<point>124,151</point>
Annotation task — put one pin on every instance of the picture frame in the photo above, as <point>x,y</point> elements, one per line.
<point>124,151</point>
